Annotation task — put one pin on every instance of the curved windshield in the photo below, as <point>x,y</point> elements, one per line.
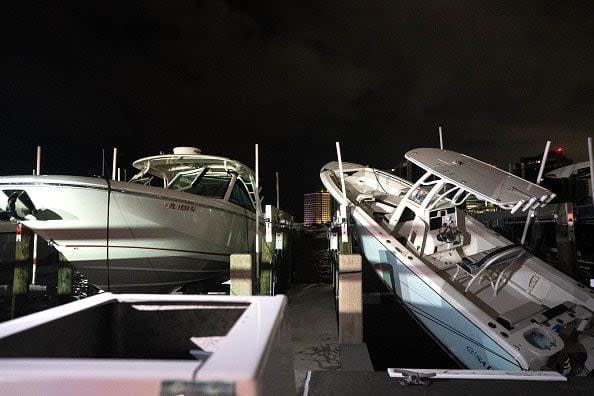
<point>146,180</point>
<point>210,186</point>
<point>240,196</point>
<point>183,181</point>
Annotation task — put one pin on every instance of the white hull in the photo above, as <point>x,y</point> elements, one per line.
<point>151,238</point>
<point>457,333</point>
<point>467,317</point>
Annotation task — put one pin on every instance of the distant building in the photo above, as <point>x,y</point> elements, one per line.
<point>528,167</point>
<point>477,206</point>
<point>317,208</point>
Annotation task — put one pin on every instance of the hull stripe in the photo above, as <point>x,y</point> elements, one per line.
<point>147,248</point>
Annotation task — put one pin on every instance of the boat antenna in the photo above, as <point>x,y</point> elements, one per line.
<point>38,167</point>
<point>277,195</point>
<point>538,180</point>
<point>258,214</point>
<point>107,232</point>
<point>440,139</point>
<point>34,258</point>
<point>591,159</point>
<point>115,161</point>
<point>340,170</point>
<point>103,162</point>
<point>343,211</point>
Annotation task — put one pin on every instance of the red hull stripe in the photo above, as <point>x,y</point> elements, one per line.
<point>145,248</point>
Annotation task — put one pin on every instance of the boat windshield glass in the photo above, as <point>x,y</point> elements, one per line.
<point>240,196</point>
<point>210,186</point>
<point>146,180</point>
<point>199,183</point>
<point>183,181</point>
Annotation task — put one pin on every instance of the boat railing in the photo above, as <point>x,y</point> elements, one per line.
<point>496,258</point>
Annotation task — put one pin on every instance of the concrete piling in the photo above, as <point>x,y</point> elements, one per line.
<point>241,271</point>
<point>350,299</point>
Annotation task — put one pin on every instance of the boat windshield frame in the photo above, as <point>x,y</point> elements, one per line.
<point>167,167</point>
<point>197,173</point>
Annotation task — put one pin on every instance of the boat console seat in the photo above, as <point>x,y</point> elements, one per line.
<point>499,258</point>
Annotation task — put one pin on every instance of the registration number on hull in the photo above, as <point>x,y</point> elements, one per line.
<point>179,206</point>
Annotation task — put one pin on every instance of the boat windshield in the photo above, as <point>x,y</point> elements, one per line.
<point>200,182</point>
<point>240,196</point>
<point>183,181</point>
<point>210,186</point>
<point>213,181</point>
<point>143,180</point>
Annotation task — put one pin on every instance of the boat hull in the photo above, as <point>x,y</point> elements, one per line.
<point>456,333</point>
<point>131,238</point>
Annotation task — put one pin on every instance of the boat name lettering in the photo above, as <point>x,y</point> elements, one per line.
<point>178,206</point>
<point>478,358</point>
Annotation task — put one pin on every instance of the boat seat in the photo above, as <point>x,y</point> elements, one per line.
<point>475,265</point>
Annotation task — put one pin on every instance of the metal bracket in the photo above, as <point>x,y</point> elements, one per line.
<point>410,377</point>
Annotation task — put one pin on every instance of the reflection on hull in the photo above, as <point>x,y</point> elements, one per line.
<point>458,335</point>
<point>162,275</point>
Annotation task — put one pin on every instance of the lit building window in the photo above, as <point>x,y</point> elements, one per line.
<point>317,208</point>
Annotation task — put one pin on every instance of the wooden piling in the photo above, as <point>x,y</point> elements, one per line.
<point>241,271</point>
<point>20,282</point>
<point>64,287</point>
<point>266,268</point>
<point>350,299</point>
<point>22,255</point>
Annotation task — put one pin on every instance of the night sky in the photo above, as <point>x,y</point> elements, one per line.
<point>501,78</point>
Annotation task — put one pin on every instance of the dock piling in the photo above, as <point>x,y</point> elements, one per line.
<point>350,304</point>
<point>241,271</point>
<point>20,283</point>
<point>21,259</point>
<point>64,287</point>
<point>266,268</point>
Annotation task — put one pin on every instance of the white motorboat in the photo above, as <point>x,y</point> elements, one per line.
<point>487,301</point>
<point>137,236</point>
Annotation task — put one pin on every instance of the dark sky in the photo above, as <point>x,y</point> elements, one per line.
<point>379,76</point>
